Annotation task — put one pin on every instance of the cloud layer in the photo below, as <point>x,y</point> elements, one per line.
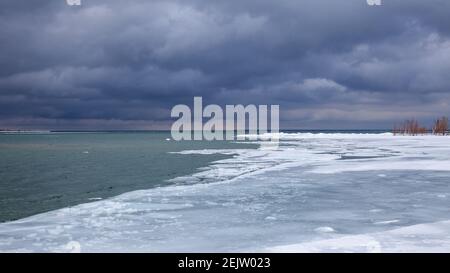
<point>112,64</point>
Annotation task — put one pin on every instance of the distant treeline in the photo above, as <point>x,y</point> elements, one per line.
<point>413,128</point>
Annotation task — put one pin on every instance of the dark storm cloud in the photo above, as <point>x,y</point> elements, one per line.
<point>124,64</point>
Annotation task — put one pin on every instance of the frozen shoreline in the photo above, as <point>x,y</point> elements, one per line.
<point>313,192</point>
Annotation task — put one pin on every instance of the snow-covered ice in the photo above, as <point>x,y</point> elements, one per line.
<point>315,193</point>
<point>434,237</point>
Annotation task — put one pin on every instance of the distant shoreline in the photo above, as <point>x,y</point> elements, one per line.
<point>162,131</point>
<point>7,131</point>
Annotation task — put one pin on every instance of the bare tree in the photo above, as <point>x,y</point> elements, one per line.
<point>410,127</point>
<point>441,126</point>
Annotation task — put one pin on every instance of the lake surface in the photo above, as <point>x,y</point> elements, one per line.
<point>45,171</point>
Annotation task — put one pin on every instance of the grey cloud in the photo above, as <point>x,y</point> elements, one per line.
<point>128,62</point>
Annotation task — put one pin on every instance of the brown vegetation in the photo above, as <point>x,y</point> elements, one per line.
<point>441,126</point>
<point>412,127</point>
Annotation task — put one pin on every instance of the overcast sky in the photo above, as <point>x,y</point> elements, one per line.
<point>115,64</point>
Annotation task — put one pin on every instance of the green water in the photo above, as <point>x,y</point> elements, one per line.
<point>42,172</point>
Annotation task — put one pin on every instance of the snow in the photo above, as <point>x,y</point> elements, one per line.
<point>314,193</point>
<point>434,238</point>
